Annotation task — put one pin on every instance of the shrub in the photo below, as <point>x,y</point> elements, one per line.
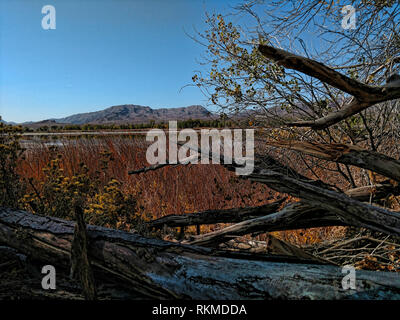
<point>59,193</point>
<point>114,209</point>
<point>11,188</point>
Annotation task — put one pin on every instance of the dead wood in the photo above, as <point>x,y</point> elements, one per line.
<point>216,216</point>
<point>164,270</point>
<point>347,154</point>
<point>293,216</point>
<point>364,95</point>
<point>348,210</point>
<point>80,265</point>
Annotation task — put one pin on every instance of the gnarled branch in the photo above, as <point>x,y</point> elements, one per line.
<point>294,216</point>
<point>364,95</point>
<point>348,210</point>
<point>347,154</point>
<point>216,216</point>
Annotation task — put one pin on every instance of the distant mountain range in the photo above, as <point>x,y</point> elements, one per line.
<point>5,122</point>
<point>136,114</point>
<point>128,113</point>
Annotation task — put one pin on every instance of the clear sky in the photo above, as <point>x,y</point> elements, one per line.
<point>102,53</point>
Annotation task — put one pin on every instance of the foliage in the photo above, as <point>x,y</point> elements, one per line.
<point>10,151</point>
<point>59,193</point>
<point>112,208</point>
<point>189,123</point>
<point>238,78</point>
<point>162,192</point>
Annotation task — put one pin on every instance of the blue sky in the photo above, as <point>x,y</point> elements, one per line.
<point>102,53</point>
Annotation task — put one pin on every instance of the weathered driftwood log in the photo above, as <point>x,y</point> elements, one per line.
<point>310,217</point>
<point>294,216</point>
<point>159,269</point>
<point>216,216</point>
<point>317,194</point>
<point>342,209</point>
<point>364,95</point>
<point>348,210</point>
<point>379,191</point>
<point>347,154</point>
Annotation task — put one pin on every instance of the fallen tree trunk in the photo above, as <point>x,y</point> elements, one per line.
<point>318,218</point>
<point>320,195</point>
<point>373,193</point>
<point>348,210</point>
<point>215,216</point>
<point>294,216</point>
<point>164,270</point>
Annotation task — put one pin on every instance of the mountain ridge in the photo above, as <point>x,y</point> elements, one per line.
<point>130,113</point>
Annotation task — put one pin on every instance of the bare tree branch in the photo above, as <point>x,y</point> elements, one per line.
<point>364,95</point>
<point>216,216</point>
<point>347,154</point>
<point>294,216</point>
<point>348,210</point>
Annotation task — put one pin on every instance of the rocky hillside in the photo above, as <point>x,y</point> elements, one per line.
<point>129,113</point>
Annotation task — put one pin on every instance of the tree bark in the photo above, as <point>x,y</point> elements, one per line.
<point>347,154</point>
<point>348,210</point>
<point>365,95</point>
<point>80,264</point>
<point>294,216</point>
<point>310,217</point>
<point>215,216</point>
<point>373,193</point>
<point>164,270</point>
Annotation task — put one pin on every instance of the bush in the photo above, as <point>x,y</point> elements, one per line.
<point>58,195</point>
<point>11,188</point>
<point>112,208</point>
